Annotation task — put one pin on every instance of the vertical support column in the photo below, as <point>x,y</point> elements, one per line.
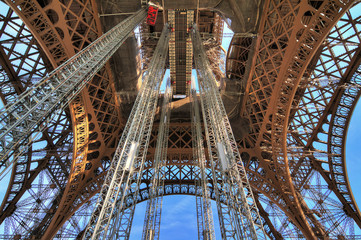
<point>171,21</point>
<point>241,218</point>
<point>225,212</point>
<point>203,202</point>
<point>180,58</point>
<point>189,51</point>
<point>151,227</point>
<point>114,211</point>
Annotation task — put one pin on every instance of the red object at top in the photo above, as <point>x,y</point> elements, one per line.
<point>152,15</point>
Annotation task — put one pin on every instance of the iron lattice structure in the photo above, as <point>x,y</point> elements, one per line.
<point>294,81</point>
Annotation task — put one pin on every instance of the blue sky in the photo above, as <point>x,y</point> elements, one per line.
<point>353,153</point>
<point>179,220</point>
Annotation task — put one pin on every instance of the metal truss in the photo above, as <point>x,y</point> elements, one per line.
<point>213,45</point>
<point>204,208</point>
<point>148,43</point>
<point>319,114</point>
<point>61,29</point>
<point>180,176</point>
<point>46,165</point>
<point>38,105</point>
<point>240,218</point>
<point>180,47</point>
<point>152,218</point>
<point>301,156</point>
<point>318,129</point>
<point>112,213</point>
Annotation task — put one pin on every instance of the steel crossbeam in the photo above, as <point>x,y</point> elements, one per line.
<point>203,201</point>
<point>34,109</point>
<point>113,213</point>
<point>239,218</point>
<point>154,205</point>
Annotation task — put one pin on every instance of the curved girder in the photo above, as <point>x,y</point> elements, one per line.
<point>314,114</point>
<point>238,57</point>
<point>339,123</point>
<point>291,75</point>
<point>290,34</point>
<point>22,61</point>
<point>180,180</point>
<point>61,33</point>
<point>309,39</point>
<point>179,174</point>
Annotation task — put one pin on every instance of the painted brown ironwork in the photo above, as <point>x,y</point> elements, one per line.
<point>297,106</point>
<point>260,106</point>
<point>52,149</point>
<point>62,29</point>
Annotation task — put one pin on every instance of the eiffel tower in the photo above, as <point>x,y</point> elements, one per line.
<point>260,129</point>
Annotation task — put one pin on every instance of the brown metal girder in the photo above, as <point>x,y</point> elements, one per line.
<point>59,218</point>
<point>31,176</point>
<point>235,47</point>
<point>297,212</point>
<point>252,63</point>
<point>190,184</point>
<point>185,151</point>
<point>265,216</point>
<point>39,35</point>
<point>66,209</point>
<point>143,196</point>
<point>283,72</point>
<point>236,60</point>
<point>13,78</point>
<point>39,230</point>
<point>44,45</point>
<point>49,233</point>
<point>42,231</point>
<point>331,108</point>
<point>247,65</point>
<point>311,66</point>
<point>182,183</point>
<point>167,183</point>
<point>256,175</point>
<point>275,193</point>
<point>274,189</point>
<point>316,165</point>
<point>42,163</point>
<point>355,63</point>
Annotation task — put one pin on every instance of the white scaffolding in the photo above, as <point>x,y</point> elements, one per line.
<point>152,219</point>
<point>238,214</point>
<point>203,202</point>
<point>113,213</point>
<point>34,108</point>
